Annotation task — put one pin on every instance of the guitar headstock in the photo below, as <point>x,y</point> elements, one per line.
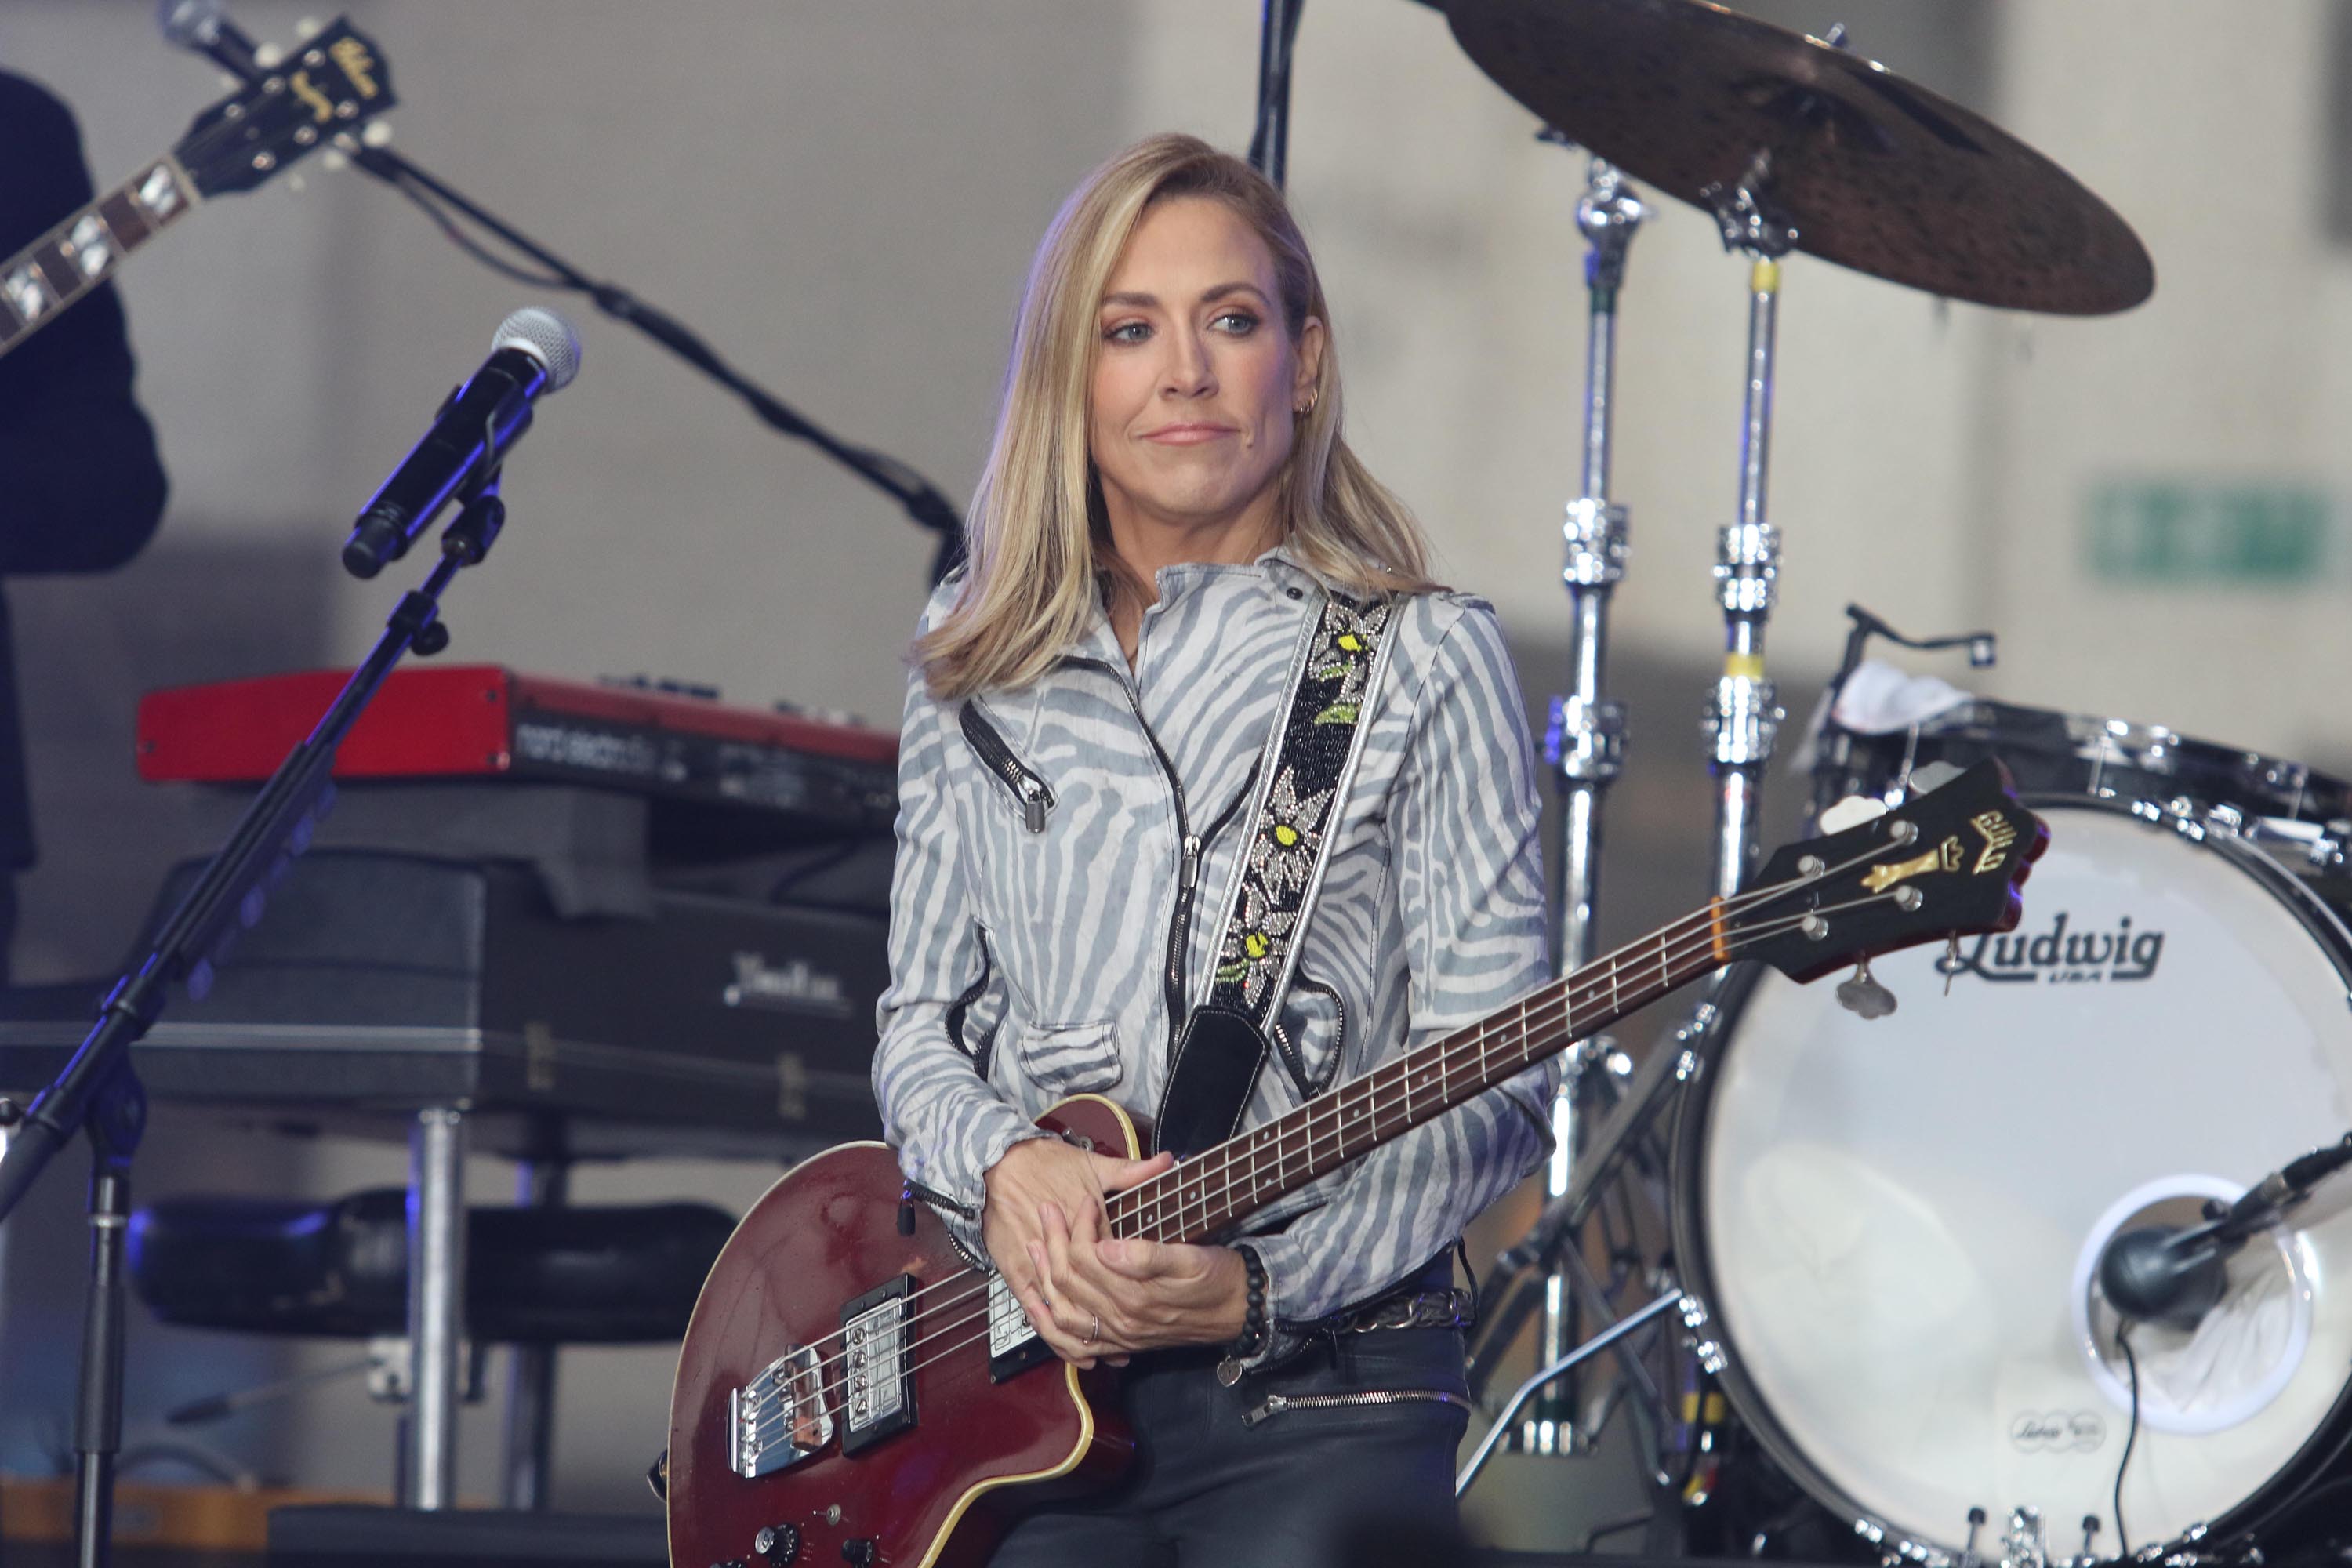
<point>337,81</point>
<point>1948,863</point>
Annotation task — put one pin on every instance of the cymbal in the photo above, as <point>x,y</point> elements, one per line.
<point>1870,171</point>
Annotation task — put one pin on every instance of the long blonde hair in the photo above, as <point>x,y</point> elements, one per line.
<point>1036,538</point>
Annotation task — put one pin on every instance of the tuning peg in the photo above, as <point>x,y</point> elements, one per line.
<point>1861,995</point>
<point>309,28</point>
<point>268,57</point>
<point>378,133</point>
<point>1852,812</point>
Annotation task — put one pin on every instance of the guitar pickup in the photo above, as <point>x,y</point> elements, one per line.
<point>780,1417</point>
<point>1012,1344</point>
<point>878,1371</point>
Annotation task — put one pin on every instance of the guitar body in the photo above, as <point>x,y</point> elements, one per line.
<point>939,1491</point>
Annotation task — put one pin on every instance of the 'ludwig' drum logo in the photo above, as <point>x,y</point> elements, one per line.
<point>2059,956</point>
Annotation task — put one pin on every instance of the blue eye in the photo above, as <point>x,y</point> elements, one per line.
<point>1127,333</point>
<point>1245,323</point>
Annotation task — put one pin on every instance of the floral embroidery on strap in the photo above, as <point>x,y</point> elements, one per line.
<point>1351,635</point>
<point>1280,860</point>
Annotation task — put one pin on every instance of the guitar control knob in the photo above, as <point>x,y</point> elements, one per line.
<point>780,1544</point>
<point>858,1552</point>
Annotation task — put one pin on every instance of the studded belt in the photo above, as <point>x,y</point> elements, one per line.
<point>1415,1309</point>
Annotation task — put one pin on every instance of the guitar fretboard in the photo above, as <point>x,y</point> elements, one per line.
<point>40,280</point>
<point>1211,1193</point>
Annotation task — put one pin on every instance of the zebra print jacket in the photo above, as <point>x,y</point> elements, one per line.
<point>1055,905</point>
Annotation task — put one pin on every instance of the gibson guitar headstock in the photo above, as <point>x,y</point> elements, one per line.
<point>337,81</point>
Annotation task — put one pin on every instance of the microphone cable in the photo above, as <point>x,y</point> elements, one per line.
<point>2131,1434</point>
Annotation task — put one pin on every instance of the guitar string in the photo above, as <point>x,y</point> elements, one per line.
<point>1557,993</point>
<point>1534,1010</point>
<point>1712,917</point>
<point>1786,923</point>
<point>1537,1005</point>
<point>1541,998</point>
<point>1437,1071</point>
<point>1561,993</point>
<point>1447,1059</point>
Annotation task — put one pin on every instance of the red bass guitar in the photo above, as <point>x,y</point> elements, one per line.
<point>853,1389</point>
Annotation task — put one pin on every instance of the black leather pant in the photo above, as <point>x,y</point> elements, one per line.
<point>1308,1486</point>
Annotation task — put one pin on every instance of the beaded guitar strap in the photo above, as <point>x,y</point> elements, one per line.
<point>1310,761</point>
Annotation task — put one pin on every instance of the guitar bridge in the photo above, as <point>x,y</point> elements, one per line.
<point>780,1417</point>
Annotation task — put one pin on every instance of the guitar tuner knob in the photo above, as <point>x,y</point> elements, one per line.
<point>1861,995</point>
<point>779,1544</point>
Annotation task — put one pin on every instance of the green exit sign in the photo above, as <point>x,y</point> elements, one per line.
<point>2270,534</point>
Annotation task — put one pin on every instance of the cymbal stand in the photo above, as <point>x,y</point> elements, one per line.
<point>1742,719</point>
<point>1585,745</point>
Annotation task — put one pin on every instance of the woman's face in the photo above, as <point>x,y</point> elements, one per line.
<point>1190,412</point>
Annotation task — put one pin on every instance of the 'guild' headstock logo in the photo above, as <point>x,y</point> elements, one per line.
<point>1997,837</point>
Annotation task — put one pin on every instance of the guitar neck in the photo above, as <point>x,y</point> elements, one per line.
<point>42,281</point>
<point>1208,1196</point>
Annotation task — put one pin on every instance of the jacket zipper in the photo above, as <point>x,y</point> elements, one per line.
<point>1291,1055</point>
<point>1276,1403</point>
<point>1037,798</point>
<point>1187,873</point>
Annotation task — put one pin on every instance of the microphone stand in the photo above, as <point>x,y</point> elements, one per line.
<point>1269,151</point>
<point>98,1093</point>
<point>228,45</point>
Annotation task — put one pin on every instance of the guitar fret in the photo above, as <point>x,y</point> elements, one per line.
<point>53,271</point>
<point>29,294</point>
<point>56,265</point>
<point>1228,1184</point>
<point>90,246</point>
<point>123,218</point>
<point>159,193</point>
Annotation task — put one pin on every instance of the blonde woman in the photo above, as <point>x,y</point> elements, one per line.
<point>1166,503</point>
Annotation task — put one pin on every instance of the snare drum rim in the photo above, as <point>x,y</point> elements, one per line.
<point>2328,1440</point>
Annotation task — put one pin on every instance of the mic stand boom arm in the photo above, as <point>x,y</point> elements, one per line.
<point>206,29</point>
<point>922,500</point>
<point>99,1091</point>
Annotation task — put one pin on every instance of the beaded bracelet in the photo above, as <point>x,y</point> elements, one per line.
<point>1254,1331</point>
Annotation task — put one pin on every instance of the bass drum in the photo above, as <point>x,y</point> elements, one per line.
<point>1893,1226</point>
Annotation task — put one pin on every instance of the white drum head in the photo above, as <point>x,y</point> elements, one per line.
<point>1896,1221</point>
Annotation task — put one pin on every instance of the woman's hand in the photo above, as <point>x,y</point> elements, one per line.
<point>1108,1297</point>
<point>1032,1175</point>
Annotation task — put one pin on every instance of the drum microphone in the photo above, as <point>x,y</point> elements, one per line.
<point>534,354</point>
<point>2175,1274</point>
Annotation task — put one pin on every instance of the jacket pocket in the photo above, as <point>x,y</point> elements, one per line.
<point>1078,1058</point>
<point>1029,790</point>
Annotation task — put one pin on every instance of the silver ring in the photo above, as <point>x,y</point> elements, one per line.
<point>1094,1329</point>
